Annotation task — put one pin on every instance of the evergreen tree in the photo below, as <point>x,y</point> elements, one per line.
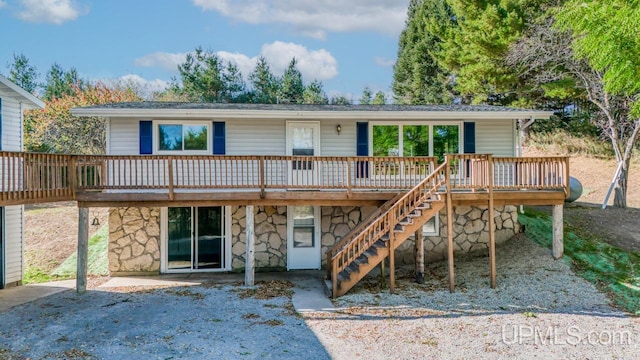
<point>379,99</point>
<point>314,93</point>
<point>366,97</point>
<point>61,82</point>
<point>418,78</point>
<point>265,84</point>
<point>202,77</point>
<point>292,87</point>
<point>23,74</point>
<point>340,100</point>
<point>235,87</point>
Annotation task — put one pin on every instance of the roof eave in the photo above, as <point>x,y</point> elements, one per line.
<point>316,115</point>
<point>22,95</point>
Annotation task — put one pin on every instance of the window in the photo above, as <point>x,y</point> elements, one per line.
<point>415,140</point>
<point>184,137</point>
<point>303,227</point>
<point>195,239</point>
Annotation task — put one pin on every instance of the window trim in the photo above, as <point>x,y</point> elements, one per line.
<point>156,137</point>
<point>164,244</point>
<point>430,124</point>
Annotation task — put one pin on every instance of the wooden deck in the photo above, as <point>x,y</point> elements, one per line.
<point>107,181</point>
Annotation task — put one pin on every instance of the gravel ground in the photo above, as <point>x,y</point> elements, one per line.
<point>197,322</point>
<point>539,310</point>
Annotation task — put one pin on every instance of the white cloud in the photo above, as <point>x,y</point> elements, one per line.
<point>315,17</point>
<point>384,62</point>
<point>50,11</point>
<point>169,61</point>
<point>145,87</point>
<point>313,64</point>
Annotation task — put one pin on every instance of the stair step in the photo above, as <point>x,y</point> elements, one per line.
<point>399,228</point>
<point>343,276</point>
<point>406,221</point>
<point>328,288</point>
<point>424,206</point>
<point>415,213</point>
<point>352,268</point>
<point>370,252</point>
<point>361,260</point>
<point>385,237</point>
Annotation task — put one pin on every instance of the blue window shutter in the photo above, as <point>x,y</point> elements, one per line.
<point>146,137</point>
<point>362,149</point>
<point>362,139</point>
<point>219,138</point>
<point>469,138</point>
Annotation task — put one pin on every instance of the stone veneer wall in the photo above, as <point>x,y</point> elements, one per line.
<point>134,240</point>
<point>270,225</point>
<point>134,235</point>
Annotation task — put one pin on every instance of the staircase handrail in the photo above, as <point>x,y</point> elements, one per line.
<point>385,222</point>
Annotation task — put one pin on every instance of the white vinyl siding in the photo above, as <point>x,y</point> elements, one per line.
<point>332,144</point>
<point>13,243</point>
<point>256,137</point>
<point>11,125</point>
<point>124,137</point>
<point>495,137</point>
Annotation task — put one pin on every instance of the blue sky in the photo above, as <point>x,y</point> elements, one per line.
<point>348,44</point>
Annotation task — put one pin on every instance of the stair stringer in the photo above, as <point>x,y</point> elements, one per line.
<point>352,278</point>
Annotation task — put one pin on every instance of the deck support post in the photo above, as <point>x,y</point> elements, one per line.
<point>492,225</point>
<point>392,260</point>
<point>83,250</point>
<point>249,267</point>
<point>419,249</point>
<point>558,228</point>
<point>449,227</point>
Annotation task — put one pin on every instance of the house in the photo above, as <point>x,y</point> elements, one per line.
<point>13,101</point>
<point>234,187</point>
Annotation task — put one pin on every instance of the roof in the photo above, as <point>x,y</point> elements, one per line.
<point>304,111</point>
<point>20,94</point>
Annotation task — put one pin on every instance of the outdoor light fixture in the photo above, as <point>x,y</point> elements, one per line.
<point>96,221</point>
<point>339,129</point>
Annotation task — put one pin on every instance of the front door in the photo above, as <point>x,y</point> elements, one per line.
<point>196,239</point>
<point>303,234</point>
<point>303,139</point>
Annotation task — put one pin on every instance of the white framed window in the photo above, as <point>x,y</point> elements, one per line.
<point>432,227</point>
<point>415,138</point>
<point>180,137</point>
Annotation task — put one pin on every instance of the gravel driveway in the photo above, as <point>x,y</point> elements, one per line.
<point>540,310</point>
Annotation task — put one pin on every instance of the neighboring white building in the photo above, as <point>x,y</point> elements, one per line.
<point>13,101</point>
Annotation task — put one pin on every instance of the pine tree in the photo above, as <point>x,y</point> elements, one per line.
<point>265,84</point>
<point>292,87</point>
<point>314,93</point>
<point>61,82</point>
<point>366,97</point>
<point>23,74</point>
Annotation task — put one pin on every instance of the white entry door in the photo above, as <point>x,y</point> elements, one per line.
<point>303,234</point>
<point>303,139</point>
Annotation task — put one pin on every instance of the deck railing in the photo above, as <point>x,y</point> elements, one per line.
<point>30,177</point>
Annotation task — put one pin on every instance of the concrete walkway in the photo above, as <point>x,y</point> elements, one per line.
<point>19,295</point>
<point>308,289</point>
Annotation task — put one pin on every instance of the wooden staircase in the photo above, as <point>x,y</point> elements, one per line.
<point>369,244</point>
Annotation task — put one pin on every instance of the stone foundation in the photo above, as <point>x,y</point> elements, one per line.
<point>270,224</point>
<point>134,235</point>
<point>134,240</point>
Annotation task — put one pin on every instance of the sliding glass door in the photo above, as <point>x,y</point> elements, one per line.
<point>195,238</point>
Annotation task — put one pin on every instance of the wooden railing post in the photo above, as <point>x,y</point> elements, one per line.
<point>567,182</point>
<point>391,216</point>
<point>170,169</point>
<point>71,171</point>
<point>349,178</point>
<point>261,169</point>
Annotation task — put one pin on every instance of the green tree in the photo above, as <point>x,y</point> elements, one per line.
<point>201,76</point>
<point>265,85</point>
<point>292,86</point>
<point>23,74</point>
<point>314,93</point>
<point>379,99</point>
<point>366,97</point>
<point>235,89</point>
<point>418,78</point>
<point>61,82</point>
<point>606,35</point>
<point>340,100</point>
